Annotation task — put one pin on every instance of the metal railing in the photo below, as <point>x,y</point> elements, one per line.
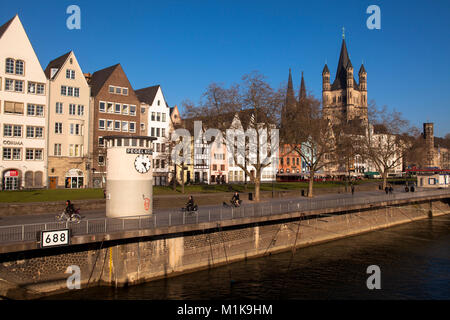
<point>31,232</point>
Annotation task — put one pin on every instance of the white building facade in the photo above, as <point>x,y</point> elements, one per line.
<point>24,114</point>
<point>158,126</point>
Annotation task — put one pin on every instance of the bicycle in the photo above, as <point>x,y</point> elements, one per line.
<point>64,216</point>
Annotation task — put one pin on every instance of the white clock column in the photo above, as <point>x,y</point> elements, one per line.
<point>129,176</point>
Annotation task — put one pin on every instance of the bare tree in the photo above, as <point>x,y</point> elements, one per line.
<point>386,140</point>
<point>312,137</point>
<point>251,106</point>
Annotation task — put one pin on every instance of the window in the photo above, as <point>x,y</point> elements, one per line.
<point>116,125</point>
<point>157,132</point>
<point>142,110</point>
<point>164,117</point>
<point>110,107</point>
<point>215,167</point>
<point>109,125</point>
<point>7,130</point>
<point>163,164</point>
<point>59,108</point>
<point>17,131</point>
<point>132,127</point>
<point>58,127</point>
<point>39,132</point>
<point>163,147</point>
<point>13,107</point>
<point>17,154</point>
<point>132,110</point>
<point>7,154</point>
<point>159,102</point>
<point>63,90</point>
<point>222,167</point>
<point>111,89</point>
<point>35,110</point>
<point>102,107</point>
<point>142,126</point>
<point>152,132</point>
<point>40,88</point>
<point>101,142</point>
<point>125,126</point>
<point>70,91</point>
<point>31,87</point>
<point>9,66</point>
<point>9,85</point>
<point>29,154</point>
<point>101,160</point>
<point>163,132</point>
<point>57,149</point>
<point>158,116</point>
<point>72,108</point>
<point>38,154</point>
<point>125,109</point>
<point>19,67</point>
<point>158,147</point>
<point>30,132</point>
<point>18,86</point>
<point>101,124</point>
<point>125,91</point>
<point>153,116</point>
<point>118,108</point>
<point>76,92</point>
<point>31,110</point>
<point>70,74</point>
<point>80,110</point>
<point>118,90</point>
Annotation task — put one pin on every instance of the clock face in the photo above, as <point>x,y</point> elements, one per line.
<point>142,163</point>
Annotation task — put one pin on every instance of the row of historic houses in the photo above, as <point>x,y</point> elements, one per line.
<point>53,121</point>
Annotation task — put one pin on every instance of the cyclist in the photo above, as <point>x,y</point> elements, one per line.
<point>70,209</point>
<point>235,199</point>
<point>190,204</point>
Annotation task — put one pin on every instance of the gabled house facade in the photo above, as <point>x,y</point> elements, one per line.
<point>68,124</point>
<point>116,111</point>
<point>23,115</point>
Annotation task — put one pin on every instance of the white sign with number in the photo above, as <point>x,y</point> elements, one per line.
<point>55,238</point>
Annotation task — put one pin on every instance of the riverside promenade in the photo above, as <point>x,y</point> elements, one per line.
<point>23,228</point>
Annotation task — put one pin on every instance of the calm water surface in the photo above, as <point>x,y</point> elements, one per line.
<point>414,260</point>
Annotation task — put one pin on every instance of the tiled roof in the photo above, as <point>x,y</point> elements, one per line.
<point>4,27</point>
<point>56,63</point>
<point>100,77</point>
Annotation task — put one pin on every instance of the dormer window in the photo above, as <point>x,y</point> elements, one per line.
<point>53,71</point>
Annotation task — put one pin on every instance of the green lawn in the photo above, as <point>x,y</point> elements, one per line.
<point>50,195</point>
<point>82,194</point>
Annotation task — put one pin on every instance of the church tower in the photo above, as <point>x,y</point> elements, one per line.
<point>345,98</point>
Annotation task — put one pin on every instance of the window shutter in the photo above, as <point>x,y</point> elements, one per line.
<point>9,106</point>
<point>18,107</point>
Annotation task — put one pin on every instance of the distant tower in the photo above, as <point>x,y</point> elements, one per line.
<point>290,104</point>
<point>428,135</point>
<point>302,93</point>
<point>345,98</point>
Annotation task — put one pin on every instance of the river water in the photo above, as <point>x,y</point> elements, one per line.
<point>414,260</point>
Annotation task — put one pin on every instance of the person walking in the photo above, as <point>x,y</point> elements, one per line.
<point>353,189</point>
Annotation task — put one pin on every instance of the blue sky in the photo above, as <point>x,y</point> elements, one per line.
<point>186,45</point>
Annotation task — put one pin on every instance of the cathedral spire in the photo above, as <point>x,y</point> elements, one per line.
<point>302,93</point>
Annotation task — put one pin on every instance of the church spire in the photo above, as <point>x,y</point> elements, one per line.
<point>302,93</point>
<point>290,95</point>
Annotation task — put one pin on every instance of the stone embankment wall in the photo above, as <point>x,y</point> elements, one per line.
<point>30,274</point>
